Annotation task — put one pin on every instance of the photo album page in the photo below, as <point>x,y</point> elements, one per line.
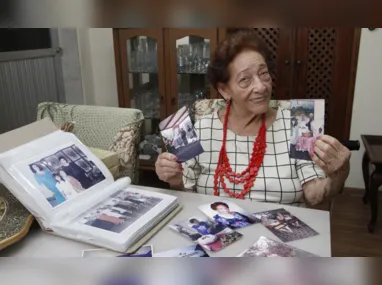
<point>73,194</point>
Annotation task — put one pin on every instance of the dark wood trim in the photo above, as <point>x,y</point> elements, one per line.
<point>118,68</point>
<point>222,33</point>
<point>352,80</point>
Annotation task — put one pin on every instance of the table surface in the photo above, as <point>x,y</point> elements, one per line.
<point>40,244</point>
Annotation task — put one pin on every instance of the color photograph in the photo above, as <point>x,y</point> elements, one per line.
<point>228,214</point>
<point>265,247</point>
<point>284,225</point>
<point>307,124</point>
<point>210,235</point>
<point>65,174</point>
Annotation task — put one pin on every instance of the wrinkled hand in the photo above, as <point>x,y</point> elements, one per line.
<point>332,157</point>
<point>167,168</point>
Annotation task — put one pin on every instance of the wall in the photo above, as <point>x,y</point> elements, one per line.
<point>71,68</point>
<point>367,115</point>
<point>99,82</point>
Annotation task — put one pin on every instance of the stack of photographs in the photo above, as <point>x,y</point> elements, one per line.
<point>179,136</point>
<point>284,225</point>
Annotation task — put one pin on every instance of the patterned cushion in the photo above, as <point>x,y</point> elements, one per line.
<point>207,106</point>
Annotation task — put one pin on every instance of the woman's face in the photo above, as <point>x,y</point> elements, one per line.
<point>222,209</point>
<point>250,84</point>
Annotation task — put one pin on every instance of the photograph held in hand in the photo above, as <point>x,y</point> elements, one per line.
<point>179,136</point>
<point>307,125</point>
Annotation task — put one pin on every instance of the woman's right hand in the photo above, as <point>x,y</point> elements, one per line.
<point>169,169</point>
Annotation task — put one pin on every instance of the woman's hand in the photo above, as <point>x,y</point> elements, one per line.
<point>168,169</point>
<point>332,157</point>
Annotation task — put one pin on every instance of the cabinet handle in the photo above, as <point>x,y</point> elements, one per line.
<point>298,62</point>
<point>287,62</point>
<point>161,99</point>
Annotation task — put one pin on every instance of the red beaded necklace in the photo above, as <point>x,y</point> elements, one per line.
<point>248,176</point>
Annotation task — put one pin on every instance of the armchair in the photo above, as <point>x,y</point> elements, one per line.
<point>111,133</point>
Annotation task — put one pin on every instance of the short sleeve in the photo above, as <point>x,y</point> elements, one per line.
<point>308,170</point>
<point>191,171</point>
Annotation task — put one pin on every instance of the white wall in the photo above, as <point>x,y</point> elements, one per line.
<point>367,115</point>
<point>96,47</point>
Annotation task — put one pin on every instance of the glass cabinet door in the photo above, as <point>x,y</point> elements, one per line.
<point>144,85</point>
<point>190,54</point>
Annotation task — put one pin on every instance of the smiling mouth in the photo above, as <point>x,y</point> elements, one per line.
<point>258,100</point>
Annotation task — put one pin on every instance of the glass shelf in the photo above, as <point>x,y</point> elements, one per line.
<point>193,58</point>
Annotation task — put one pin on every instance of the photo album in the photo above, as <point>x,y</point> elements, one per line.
<point>307,124</point>
<point>179,136</point>
<point>71,192</point>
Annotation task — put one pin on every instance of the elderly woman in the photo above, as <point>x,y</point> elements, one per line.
<point>246,144</point>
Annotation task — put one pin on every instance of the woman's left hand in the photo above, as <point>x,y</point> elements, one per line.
<point>332,157</point>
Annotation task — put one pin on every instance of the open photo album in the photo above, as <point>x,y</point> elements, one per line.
<point>71,192</point>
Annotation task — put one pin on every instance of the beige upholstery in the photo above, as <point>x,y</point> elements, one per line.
<point>111,133</point>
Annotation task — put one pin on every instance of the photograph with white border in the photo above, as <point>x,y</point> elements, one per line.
<point>179,136</point>
<point>307,125</point>
<point>228,214</point>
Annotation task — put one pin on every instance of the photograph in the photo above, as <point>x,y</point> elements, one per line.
<point>307,124</point>
<point>119,211</point>
<point>210,235</point>
<point>284,225</point>
<point>144,251</point>
<point>187,251</point>
<point>265,247</point>
<point>179,136</point>
<point>228,214</point>
<point>65,174</point>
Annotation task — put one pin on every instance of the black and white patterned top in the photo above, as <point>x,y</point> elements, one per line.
<point>280,178</point>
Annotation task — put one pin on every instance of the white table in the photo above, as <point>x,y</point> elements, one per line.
<point>40,244</point>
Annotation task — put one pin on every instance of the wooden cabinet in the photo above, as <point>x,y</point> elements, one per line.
<point>161,70</point>
<point>315,63</point>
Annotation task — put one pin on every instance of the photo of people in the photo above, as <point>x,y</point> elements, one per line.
<point>179,136</point>
<point>118,212</point>
<point>265,247</point>
<point>210,235</point>
<point>187,251</point>
<point>307,124</point>
<point>284,225</point>
<point>65,174</point>
<point>228,214</point>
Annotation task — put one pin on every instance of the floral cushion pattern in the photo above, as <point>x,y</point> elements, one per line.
<point>126,146</point>
<point>207,106</point>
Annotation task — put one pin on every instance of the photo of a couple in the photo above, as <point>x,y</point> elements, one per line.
<point>65,174</point>
<point>307,124</point>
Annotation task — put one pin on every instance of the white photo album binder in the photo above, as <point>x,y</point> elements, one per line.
<point>72,193</point>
